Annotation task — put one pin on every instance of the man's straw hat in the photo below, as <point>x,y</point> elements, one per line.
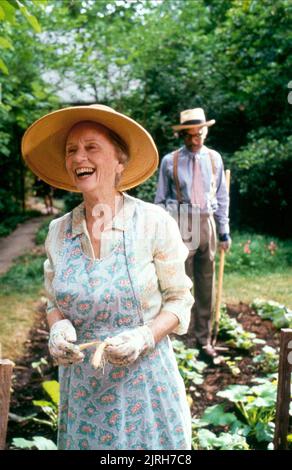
<point>193,118</point>
<point>43,145</point>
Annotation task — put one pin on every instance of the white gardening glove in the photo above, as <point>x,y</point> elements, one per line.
<point>127,346</point>
<point>62,335</point>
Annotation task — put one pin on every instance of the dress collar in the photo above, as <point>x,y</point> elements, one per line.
<point>119,222</point>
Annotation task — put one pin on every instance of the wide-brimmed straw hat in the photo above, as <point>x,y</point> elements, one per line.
<point>193,118</point>
<point>43,145</point>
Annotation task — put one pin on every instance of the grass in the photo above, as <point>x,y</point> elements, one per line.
<point>275,286</point>
<point>17,316</point>
<point>258,266</point>
<point>20,290</point>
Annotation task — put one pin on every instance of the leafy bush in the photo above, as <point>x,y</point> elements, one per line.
<point>71,200</point>
<point>255,254</point>
<point>42,232</point>
<point>10,222</point>
<point>146,191</point>
<point>24,276</point>
<point>261,172</point>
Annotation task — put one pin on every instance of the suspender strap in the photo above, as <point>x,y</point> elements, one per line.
<point>213,180</point>
<point>175,176</point>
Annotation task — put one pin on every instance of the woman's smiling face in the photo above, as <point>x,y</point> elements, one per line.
<point>91,158</point>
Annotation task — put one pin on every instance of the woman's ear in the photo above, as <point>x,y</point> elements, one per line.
<point>120,168</point>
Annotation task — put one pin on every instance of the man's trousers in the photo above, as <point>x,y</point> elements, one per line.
<point>200,266</point>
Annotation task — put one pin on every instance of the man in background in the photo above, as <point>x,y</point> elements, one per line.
<point>194,175</point>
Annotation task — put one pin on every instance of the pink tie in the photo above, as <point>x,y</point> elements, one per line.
<point>198,196</point>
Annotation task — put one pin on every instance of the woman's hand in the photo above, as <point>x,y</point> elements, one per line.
<point>62,335</point>
<point>127,346</point>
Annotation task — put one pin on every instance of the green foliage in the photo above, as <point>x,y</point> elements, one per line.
<point>50,408</point>
<point>249,420</point>
<point>189,368</point>
<point>37,442</point>
<point>9,14</point>
<point>279,314</point>
<point>38,365</point>
<point>224,441</point>
<point>256,408</point>
<point>267,360</point>
<point>42,232</point>
<point>71,200</point>
<point>24,276</point>
<point>10,223</point>
<point>233,333</point>
<point>253,254</point>
<point>147,190</point>
<point>261,171</point>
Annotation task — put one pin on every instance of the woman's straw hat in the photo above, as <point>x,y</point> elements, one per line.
<point>43,145</point>
<point>193,118</point>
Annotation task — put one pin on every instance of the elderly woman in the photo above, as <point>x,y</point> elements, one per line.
<point>114,273</point>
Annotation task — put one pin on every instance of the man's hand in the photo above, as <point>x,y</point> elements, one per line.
<point>127,346</point>
<point>225,242</point>
<point>62,335</point>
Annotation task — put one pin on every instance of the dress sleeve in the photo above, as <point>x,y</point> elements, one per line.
<point>169,256</point>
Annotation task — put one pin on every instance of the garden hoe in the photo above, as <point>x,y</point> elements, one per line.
<point>220,284</point>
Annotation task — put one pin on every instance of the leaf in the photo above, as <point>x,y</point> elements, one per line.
<point>31,19</point>
<point>21,443</point>
<point>5,43</point>
<point>52,388</point>
<point>9,11</point>
<point>217,416</point>
<point>207,438</point>
<point>3,67</point>
<point>2,13</point>
<point>42,403</point>
<point>235,393</point>
<point>41,443</point>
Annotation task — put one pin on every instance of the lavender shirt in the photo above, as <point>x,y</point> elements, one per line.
<point>216,204</point>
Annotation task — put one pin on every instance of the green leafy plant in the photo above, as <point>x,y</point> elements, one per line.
<point>233,333</point>
<point>224,441</point>
<point>267,360</point>
<point>50,408</point>
<point>280,315</point>
<point>190,369</point>
<point>37,442</point>
<point>255,406</point>
<point>38,365</point>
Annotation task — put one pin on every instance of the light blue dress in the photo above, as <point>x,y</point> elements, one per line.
<point>140,406</point>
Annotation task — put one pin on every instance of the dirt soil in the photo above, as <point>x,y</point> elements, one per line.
<point>26,380</point>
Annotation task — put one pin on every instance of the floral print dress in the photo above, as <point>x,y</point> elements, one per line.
<point>139,406</point>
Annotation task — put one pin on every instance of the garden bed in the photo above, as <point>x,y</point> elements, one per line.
<point>27,380</point>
